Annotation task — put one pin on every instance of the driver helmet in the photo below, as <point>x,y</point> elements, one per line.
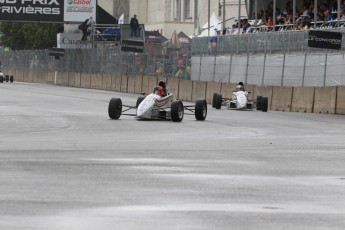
<point>162,84</point>
<point>239,88</point>
<point>159,90</point>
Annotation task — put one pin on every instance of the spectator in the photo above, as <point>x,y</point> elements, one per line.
<point>134,23</point>
<point>90,24</point>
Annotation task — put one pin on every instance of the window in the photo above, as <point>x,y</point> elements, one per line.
<point>177,10</point>
<point>187,13</point>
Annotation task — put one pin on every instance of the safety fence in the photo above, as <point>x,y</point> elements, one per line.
<point>107,60</point>
<point>267,42</point>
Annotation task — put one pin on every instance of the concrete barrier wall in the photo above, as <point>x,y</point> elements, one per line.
<point>85,80</point>
<point>281,98</point>
<point>185,90</point>
<point>303,99</point>
<point>325,99</point>
<point>106,82</point>
<point>297,99</point>
<point>173,86</point>
<point>340,106</point>
<point>199,90</point>
<point>227,90</point>
<point>211,88</point>
<point>149,82</point>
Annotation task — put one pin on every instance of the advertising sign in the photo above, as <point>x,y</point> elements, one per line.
<point>79,10</point>
<point>324,39</point>
<point>71,41</point>
<point>31,10</point>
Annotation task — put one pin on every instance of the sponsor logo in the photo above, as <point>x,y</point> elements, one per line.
<point>30,7</point>
<point>79,2</point>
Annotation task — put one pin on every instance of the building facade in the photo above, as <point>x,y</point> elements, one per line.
<point>168,16</point>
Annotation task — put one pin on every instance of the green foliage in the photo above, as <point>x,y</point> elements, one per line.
<point>28,36</point>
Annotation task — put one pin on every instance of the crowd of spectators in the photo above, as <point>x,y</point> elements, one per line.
<point>306,17</point>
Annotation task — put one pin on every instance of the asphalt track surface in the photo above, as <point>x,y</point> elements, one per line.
<point>64,165</point>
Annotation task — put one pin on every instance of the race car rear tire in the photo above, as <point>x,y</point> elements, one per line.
<point>259,103</point>
<point>139,100</point>
<point>1,79</point>
<point>200,110</point>
<point>214,98</point>
<point>219,98</point>
<point>115,108</point>
<point>264,104</point>
<point>7,78</point>
<point>177,111</point>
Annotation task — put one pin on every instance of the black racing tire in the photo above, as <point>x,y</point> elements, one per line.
<point>219,100</point>
<point>200,110</point>
<point>214,98</point>
<point>11,78</point>
<point>1,79</point>
<point>177,111</point>
<point>115,108</point>
<point>139,100</point>
<point>7,78</point>
<point>259,103</point>
<point>264,104</point>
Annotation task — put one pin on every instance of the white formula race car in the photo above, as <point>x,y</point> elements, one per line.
<point>240,101</point>
<point>156,107</point>
<point>5,78</point>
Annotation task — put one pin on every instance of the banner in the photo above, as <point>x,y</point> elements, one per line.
<point>122,19</point>
<point>32,10</point>
<point>324,39</point>
<point>79,10</point>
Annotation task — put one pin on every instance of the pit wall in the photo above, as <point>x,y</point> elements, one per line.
<point>328,99</point>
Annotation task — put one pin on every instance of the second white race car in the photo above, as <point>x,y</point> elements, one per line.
<point>240,101</point>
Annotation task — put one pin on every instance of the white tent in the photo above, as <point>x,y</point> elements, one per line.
<point>214,24</point>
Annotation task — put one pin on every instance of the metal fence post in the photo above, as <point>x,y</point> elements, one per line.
<point>283,70</point>
<point>305,62</point>
<point>214,67</point>
<point>230,65</point>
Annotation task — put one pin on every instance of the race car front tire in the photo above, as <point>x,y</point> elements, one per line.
<point>200,110</point>
<point>115,108</point>
<point>214,98</point>
<point>219,99</point>
<point>259,103</point>
<point>139,100</point>
<point>177,111</point>
<point>264,104</point>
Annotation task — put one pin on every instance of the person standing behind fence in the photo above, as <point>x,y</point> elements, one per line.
<point>134,25</point>
<point>90,24</point>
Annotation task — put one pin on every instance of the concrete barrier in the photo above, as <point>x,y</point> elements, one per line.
<point>199,90</point>
<point>173,86</point>
<point>131,84</point>
<point>138,84</point>
<point>71,79</point>
<point>149,83</point>
<point>18,75</point>
<point>85,80</point>
<point>227,89</point>
<point>64,78</point>
<point>106,82</point>
<point>281,98</point>
<point>32,76</point>
<point>340,106</point>
<point>185,90</point>
<point>325,99</point>
<point>96,81</point>
<point>116,82</point>
<point>124,83</point>
<point>303,99</point>
<point>211,88</point>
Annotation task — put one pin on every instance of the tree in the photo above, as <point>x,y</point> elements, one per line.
<point>27,36</point>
